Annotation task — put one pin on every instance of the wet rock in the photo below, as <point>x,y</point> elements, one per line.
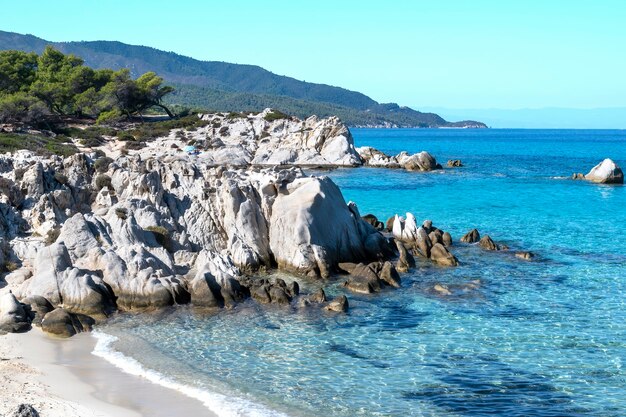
<point>62,323</point>
<point>389,275</point>
<point>261,294</point>
<point>455,163</point>
<point>364,279</point>
<point>13,316</point>
<point>428,226</point>
<point>339,304</point>
<point>293,289</point>
<point>216,283</point>
<point>472,236</point>
<point>440,255</point>
<point>362,285</point>
<point>487,243</point>
<point>317,297</point>
<point>278,295</point>
<point>578,176</point>
<point>446,239</point>
<point>525,255</point>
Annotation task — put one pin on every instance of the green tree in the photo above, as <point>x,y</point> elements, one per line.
<point>17,71</point>
<point>57,78</point>
<point>151,92</point>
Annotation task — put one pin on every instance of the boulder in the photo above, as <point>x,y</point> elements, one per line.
<point>487,243</point>
<point>455,163</point>
<point>422,161</point>
<point>423,242</point>
<point>389,275</point>
<point>472,236</point>
<point>317,297</point>
<point>405,259</point>
<point>39,307</point>
<point>312,229</point>
<point>13,316</point>
<point>85,293</point>
<point>62,323</point>
<point>339,304</point>
<point>216,284</point>
<point>446,239</point>
<point>440,255</point>
<point>606,172</point>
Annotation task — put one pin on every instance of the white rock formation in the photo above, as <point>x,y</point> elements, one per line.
<point>606,172</point>
<point>260,139</point>
<point>171,230</point>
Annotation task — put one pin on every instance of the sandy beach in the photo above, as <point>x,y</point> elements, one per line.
<point>61,377</point>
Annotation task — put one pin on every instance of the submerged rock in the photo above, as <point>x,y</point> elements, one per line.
<point>525,255</point>
<point>339,304</point>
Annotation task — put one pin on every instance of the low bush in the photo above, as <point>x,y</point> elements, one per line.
<point>103,181</point>
<point>102,164</point>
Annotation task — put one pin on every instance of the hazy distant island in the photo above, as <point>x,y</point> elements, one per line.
<point>226,87</point>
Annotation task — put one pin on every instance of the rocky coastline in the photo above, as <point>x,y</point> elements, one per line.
<point>197,217</point>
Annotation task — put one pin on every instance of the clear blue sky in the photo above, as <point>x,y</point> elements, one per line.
<point>455,54</point>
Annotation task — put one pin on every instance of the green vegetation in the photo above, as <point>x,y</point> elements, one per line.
<point>35,88</point>
<point>275,115</point>
<point>102,164</point>
<point>103,181</point>
<point>225,87</point>
<point>41,145</point>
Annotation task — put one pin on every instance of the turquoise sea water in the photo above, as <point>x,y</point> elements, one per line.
<point>540,338</point>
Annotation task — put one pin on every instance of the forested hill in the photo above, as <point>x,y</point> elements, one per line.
<point>223,86</point>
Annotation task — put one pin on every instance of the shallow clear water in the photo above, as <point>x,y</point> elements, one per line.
<point>541,338</point>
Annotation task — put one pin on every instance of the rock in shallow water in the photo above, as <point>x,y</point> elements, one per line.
<point>472,236</point>
<point>606,172</point>
<point>487,243</point>
<point>339,304</point>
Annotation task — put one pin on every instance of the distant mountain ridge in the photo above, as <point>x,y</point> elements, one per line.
<point>222,86</point>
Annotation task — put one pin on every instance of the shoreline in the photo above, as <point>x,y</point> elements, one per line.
<point>63,378</point>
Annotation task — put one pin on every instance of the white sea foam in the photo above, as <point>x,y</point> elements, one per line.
<point>221,405</point>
